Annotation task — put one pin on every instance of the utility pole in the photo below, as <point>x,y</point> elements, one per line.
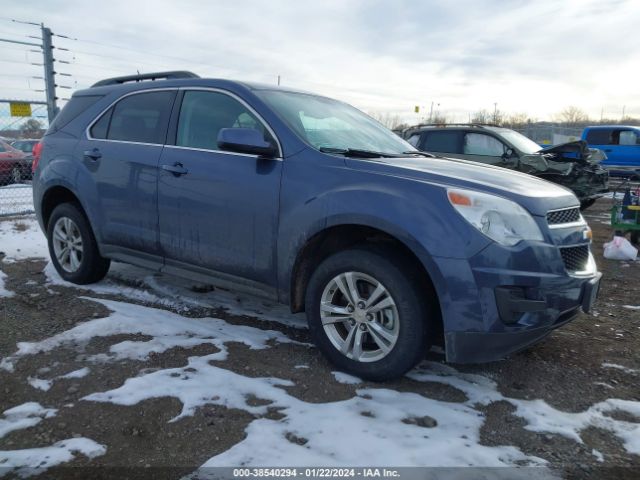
<point>278,80</point>
<point>49,72</point>
<point>495,113</point>
<point>431,113</point>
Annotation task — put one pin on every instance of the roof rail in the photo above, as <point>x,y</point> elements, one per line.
<point>457,124</point>
<point>145,76</point>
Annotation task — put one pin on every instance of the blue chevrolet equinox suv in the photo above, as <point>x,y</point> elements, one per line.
<point>307,200</point>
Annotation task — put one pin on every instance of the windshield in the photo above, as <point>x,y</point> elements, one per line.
<point>328,124</point>
<point>520,142</point>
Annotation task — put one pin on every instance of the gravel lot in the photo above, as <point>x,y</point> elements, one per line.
<point>253,388</point>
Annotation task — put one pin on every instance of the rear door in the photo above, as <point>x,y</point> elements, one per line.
<point>447,143</point>
<point>122,150</point>
<point>221,212</point>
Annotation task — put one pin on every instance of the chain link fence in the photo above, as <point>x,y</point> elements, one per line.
<point>550,134</point>
<point>18,136</point>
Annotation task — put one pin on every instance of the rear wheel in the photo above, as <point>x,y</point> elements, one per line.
<point>73,248</point>
<point>367,313</point>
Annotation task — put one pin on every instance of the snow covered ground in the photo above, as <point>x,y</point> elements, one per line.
<point>15,199</point>
<point>376,424</point>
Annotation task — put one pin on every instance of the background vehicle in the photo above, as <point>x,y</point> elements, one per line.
<point>26,146</point>
<point>12,164</point>
<point>621,144</point>
<point>571,165</point>
<point>309,201</point>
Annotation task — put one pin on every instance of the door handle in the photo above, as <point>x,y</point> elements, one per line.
<point>93,154</point>
<point>177,169</point>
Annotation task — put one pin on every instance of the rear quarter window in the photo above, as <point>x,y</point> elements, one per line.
<point>71,110</point>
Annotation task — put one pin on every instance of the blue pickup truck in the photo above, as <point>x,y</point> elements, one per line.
<point>308,201</point>
<point>621,143</point>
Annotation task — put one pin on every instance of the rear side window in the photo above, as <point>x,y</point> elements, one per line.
<point>72,109</point>
<point>599,136</point>
<point>628,137</point>
<point>204,114</point>
<point>140,118</point>
<point>444,142</point>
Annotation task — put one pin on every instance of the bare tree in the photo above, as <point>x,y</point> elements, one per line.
<point>572,116</point>
<point>387,119</point>
<point>481,116</point>
<point>516,120</point>
<point>32,128</point>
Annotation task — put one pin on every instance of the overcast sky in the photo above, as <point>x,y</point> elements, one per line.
<point>382,56</point>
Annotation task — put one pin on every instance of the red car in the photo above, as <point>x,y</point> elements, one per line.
<point>12,164</point>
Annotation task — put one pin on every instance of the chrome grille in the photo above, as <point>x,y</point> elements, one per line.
<point>567,215</point>
<point>575,258</point>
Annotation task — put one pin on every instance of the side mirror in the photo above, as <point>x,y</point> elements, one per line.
<point>245,140</point>
<point>508,153</point>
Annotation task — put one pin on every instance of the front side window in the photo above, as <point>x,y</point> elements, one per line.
<point>414,139</point>
<point>140,118</point>
<point>203,114</point>
<point>480,144</point>
<point>324,123</point>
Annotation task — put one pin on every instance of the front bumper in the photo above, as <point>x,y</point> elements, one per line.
<point>492,311</point>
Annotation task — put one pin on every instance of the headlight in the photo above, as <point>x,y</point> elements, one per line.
<point>500,219</point>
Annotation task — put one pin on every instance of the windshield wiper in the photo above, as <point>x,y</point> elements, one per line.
<point>356,152</point>
<point>422,154</point>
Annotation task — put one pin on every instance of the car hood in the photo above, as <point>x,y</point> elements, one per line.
<point>536,195</point>
<point>577,151</point>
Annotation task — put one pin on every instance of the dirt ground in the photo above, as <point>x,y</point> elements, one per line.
<point>565,370</point>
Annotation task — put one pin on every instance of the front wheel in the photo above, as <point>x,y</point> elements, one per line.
<point>72,246</point>
<point>368,314</point>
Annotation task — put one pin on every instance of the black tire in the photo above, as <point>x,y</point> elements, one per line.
<point>412,299</point>
<point>584,204</point>
<point>92,266</point>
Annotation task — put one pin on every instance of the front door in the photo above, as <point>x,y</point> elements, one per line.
<point>218,210</point>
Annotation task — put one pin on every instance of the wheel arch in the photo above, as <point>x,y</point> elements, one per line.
<point>335,237</point>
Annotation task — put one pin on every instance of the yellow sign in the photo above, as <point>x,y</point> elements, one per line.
<point>416,109</point>
<point>20,109</point>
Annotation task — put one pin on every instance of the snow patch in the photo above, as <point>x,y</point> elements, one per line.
<point>345,378</point>
<point>632,307</point>
<point>620,367</point>
<point>22,239</point>
<point>375,424</point>
<point>23,416</point>
<point>43,384</point>
<point>4,293</point>
<point>34,461</point>
<point>540,416</point>
<point>168,330</point>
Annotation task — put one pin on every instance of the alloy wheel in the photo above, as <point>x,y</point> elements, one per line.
<point>67,244</point>
<point>359,316</point>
